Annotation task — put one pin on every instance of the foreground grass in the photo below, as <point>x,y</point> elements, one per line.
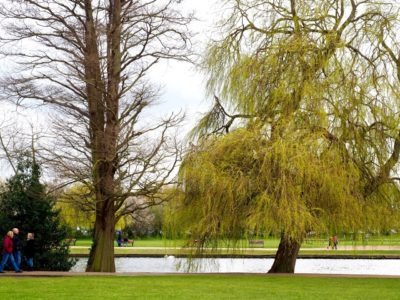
<point>198,287</point>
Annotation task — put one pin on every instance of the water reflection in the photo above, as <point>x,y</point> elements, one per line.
<point>249,265</point>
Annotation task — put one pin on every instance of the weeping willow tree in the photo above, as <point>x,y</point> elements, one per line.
<point>304,134</point>
<point>246,182</point>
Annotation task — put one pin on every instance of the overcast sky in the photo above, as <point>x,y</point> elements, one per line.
<point>182,85</point>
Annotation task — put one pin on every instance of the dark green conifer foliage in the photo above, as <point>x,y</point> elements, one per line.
<point>25,204</point>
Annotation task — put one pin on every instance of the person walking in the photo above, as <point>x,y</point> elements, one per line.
<point>335,242</point>
<point>330,242</point>
<point>17,247</point>
<point>8,253</point>
<point>29,250</point>
<point>119,238</point>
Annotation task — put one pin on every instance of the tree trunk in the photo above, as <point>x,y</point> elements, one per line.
<point>103,106</point>
<point>101,257</point>
<point>285,258</point>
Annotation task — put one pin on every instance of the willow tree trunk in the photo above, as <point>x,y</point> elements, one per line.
<point>285,257</point>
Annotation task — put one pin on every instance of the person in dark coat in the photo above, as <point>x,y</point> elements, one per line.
<point>119,238</point>
<point>29,250</point>
<point>8,253</point>
<point>17,247</point>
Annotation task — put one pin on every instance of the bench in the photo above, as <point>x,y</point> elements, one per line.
<point>258,243</point>
<point>70,241</point>
<point>125,242</point>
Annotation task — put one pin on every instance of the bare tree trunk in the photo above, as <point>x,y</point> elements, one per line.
<point>285,258</point>
<point>103,109</point>
<point>101,257</point>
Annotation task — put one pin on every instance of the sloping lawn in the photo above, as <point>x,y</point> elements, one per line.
<point>198,287</point>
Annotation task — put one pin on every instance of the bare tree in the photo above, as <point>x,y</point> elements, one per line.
<point>16,141</point>
<point>88,60</point>
<point>7,143</point>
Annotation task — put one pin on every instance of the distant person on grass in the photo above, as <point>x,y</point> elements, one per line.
<point>335,242</point>
<point>17,247</point>
<point>119,238</point>
<point>29,250</point>
<point>330,242</point>
<point>8,253</point>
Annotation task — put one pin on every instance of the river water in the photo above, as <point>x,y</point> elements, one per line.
<point>170,264</point>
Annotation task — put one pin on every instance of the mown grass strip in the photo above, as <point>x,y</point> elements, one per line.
<point>199,287</point>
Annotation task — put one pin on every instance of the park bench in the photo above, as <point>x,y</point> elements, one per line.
<point>70,241</point>
<point>126,242</point>
<point>256,243</point>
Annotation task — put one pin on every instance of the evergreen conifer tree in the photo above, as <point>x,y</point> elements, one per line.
<point>26,205</point>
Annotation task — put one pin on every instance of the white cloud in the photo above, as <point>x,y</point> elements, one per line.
<point>183,87</point>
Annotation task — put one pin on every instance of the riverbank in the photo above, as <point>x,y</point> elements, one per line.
<point>345,252</point>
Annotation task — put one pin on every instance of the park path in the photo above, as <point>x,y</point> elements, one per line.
<point>360,247</point>
<point>39,274</point>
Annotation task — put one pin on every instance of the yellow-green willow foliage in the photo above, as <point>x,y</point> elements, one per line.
<point>74,208</point>
<point>271,82</point>
<point>245,182</point>
<point>317,65</point>
<point>307,90</point>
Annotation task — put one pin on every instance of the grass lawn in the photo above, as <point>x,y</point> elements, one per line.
<point>173,247</point>
<point>393,240</point>
<point>198,287</point>
<point>141,243</point>
<point>247,252</point>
